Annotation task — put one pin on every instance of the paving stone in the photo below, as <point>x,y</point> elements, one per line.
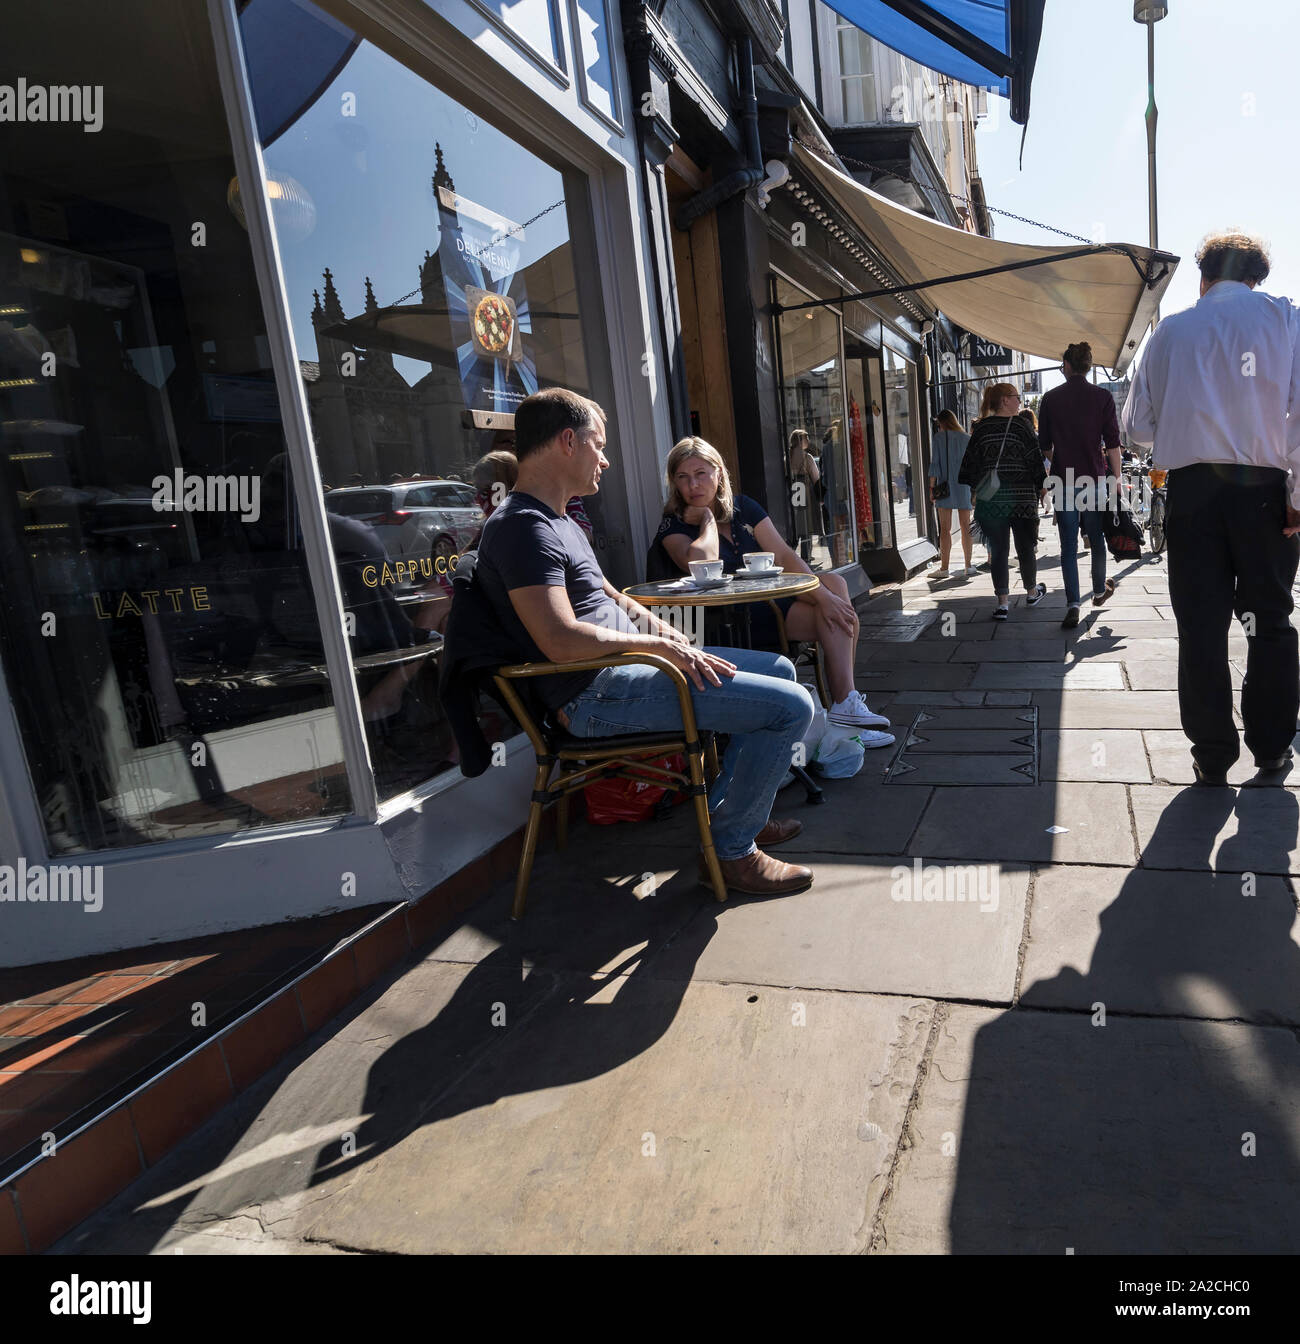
<point>910,676</point>
<point>951,633</point>
<point>1120,1140</point>
<point>886,925</point>
<point>1048,676</point>
<point>658,1117</point>
<point>1170,944</point>
<point>1171,760</point>
<point>1102,627</point>
<point>1011,824</point>
<point>1007,698</point>
<point>1221,830</point>
<point>1120,648</point>
<point>1012,651</point>
<point>1107,709</point>
<point>1094,755</point>
<point>939,697</point>
<point>930,651</point>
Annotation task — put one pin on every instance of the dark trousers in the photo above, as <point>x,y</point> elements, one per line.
<point>1227,555</point>
<point>998,533</point>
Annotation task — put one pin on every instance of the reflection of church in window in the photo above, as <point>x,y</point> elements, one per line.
<point>370,421</point>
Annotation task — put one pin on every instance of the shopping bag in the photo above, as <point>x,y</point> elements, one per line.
<point>839,754</point>
<point>613,800</point>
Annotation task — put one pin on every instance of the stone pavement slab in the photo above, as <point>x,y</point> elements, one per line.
<point>1094,755</point>
<point>1171,760</point>
<point>884,924</point>
<point>914,698</point>
<point>1012,651</point>
<point>1048,676</point>
<point>1221,830</point>
<point>1164,944</point>
<point>757,1120</point>
<point>1107,709</point>
<point>1039,1133</point>
<point>920,651</point>
<point>1011,825</point>
<point>1119,648</point>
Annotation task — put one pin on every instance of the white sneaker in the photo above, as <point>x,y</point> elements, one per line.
<point>941,574</point>
<point>855,713</point>
<point>871,739</point>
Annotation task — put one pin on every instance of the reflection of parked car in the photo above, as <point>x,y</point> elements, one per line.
<point>416,520</point>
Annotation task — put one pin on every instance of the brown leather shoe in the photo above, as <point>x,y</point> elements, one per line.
<point>759,874</point>
<point>777,832</point>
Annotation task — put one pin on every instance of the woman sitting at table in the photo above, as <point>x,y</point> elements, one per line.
<point>703,520</point>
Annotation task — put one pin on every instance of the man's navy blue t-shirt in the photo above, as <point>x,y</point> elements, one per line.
<point>526,544</point>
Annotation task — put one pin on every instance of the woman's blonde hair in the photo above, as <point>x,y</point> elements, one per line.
<point>724,501</point>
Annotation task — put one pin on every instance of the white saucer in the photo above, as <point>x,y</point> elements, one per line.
<point>759,573</point>
<point>707,585</point>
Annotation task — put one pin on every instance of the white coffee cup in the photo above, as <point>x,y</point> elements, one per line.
<point>760,560</point>
<point>702,570</point>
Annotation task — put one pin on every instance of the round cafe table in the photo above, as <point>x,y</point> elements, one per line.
<point>743,590</point>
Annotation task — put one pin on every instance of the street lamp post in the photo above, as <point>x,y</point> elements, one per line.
<point>1150,12</point>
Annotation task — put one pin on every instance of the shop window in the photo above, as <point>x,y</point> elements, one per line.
<point>902,435</point>
<point>157,619</point>
<point>816,435</point>
<point>437,275</point>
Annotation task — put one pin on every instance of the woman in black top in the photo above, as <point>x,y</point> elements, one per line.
<point>1002,442</point>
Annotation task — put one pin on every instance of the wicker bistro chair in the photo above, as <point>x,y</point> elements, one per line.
<point>584,759</point>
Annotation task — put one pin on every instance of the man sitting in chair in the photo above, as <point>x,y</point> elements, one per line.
<point>538,570</point>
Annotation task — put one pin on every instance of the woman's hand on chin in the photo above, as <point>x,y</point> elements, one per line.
<point>695,514</point>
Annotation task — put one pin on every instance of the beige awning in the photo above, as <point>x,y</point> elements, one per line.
<point>1096,294</point>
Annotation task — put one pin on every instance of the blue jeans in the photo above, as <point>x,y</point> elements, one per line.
<point>1069,520</point>
<point>762,707</point>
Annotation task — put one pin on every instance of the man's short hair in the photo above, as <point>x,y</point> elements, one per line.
<point>548,413</point>
<point>1233,256</point>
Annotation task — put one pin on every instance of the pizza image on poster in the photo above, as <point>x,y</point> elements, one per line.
<point>493,324</point>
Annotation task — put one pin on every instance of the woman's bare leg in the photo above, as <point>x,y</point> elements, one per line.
<point>945,536</point>
<point>964,518</point>
<point>805,620</point>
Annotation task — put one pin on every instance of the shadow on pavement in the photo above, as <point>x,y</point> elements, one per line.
<point>1145,1135</point>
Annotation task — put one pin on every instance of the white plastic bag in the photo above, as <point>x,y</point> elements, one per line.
<point>839,754</point>
<point>817,729</point>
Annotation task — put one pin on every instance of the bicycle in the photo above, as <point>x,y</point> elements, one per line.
<point>1159,510</point>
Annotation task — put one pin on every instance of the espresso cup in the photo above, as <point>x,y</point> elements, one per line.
<point>702,570</point>
<point>760,560</point>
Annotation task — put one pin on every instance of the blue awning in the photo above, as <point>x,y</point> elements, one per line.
<point>992,44</point>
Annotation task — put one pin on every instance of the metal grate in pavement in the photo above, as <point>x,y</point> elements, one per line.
<point>974,744</point>
<point>895,627</point>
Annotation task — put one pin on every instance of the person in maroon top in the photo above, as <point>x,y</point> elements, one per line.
<point>1078,432</point>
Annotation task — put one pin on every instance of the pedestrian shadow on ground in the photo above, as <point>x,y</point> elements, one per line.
<point>1161,1131</point>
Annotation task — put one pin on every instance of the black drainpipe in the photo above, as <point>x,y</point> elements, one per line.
<point>743,178</point>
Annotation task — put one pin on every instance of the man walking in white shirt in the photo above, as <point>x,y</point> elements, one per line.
<point>1218,394</point>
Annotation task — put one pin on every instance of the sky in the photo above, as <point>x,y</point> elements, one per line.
<point>1227,84</point>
